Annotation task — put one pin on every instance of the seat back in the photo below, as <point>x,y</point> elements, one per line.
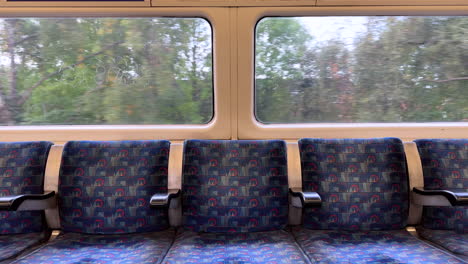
<point>22,168</point>
<point>235,185</point>
<point>363,183</point>
<point>105,187</point>
<point>445,166</point>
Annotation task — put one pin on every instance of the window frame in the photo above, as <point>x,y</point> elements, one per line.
<point>58,3</point>
<point>233,28</point>
<point>250,128</point>
<point>218,128</point>
<point>233,3</point>
<point>391,3</point>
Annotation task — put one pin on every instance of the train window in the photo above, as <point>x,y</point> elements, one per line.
<point>100,71</point>
<point>363,69</point>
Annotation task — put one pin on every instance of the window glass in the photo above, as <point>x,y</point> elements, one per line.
<point>361,69</point>
<point>102,71</point>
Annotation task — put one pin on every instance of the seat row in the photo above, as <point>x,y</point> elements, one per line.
<point>114,203</point>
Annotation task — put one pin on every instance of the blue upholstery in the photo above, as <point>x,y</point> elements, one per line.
<point>363,183</point>
<point>235,186</point>
<point>13,245</point>
<point>356,247</point>
<point>364,188</point>
<point>105,187</point>
<point>455,242</point>
<point>257,247</point>
<point>232,191</point>
<point>445,166</point>
<point>22,168</point>
<point>71,248</point>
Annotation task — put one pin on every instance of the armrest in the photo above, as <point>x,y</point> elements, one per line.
<point>164,199</point>
<point>306,199</point>
<point>437,197</point>
<point>26,202</point>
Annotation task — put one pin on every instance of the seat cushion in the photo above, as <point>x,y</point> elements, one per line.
<point>22,168</point>
<point>445,166</point>
<point>363,183</point>
<point>121,248</point>
<point>455,242</point>
<point>355,247</point>
<point>235,185</point>
<point>259,247</point>
<point>105,186</point>
<point>13,245</point>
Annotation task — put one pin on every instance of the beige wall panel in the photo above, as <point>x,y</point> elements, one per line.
<point>61,134</point>
<point>276,2</point>
<point>35,3</point>
<point>193,2</point>
<point>390,2</point>
<point>233,18</point>
<point>233,3</point>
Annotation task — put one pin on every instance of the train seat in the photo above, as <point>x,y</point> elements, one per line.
<point>235,204</point>
<point>104,203</point>
<point>445,168</point>
<point>363,185</point>
<point>22,168</point>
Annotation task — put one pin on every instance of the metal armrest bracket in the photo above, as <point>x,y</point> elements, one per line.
<point>439,197</point>
<point>301,199</point>
<point>171,199</point>
<point>28,202</point>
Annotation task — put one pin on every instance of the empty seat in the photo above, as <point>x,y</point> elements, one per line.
<point>445,167</point>
<point>235,204</point>
<point>104,194</point>
<point>22,167</point>
<point>363,184</point>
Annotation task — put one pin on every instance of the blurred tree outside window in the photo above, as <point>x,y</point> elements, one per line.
<point>361,69</point>
<point>87,71</point>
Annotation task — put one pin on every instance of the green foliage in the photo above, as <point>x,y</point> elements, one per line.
<point>280,46</point>
<point>107,71</point>
<point>159,71</point>
<point>402,69</point>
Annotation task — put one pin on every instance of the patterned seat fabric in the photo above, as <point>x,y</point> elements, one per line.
<point>233,192</point>
<point>450,240</point>
<point>445,166</point>
<point>22,168</point>
<point>235,186</point>
<point>105,187</point>
<point>363,183</point>
<point>364,188</point>
<point>13,245</point>
<point>356,247</point>
<point>104,194</point>
<point>257,247</point>
<point>70,248</point>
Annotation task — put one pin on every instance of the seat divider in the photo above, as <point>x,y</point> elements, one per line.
<point>175,179</point>
<point>294,179</point>
<point>415,174</point>
<point>51,183</point>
